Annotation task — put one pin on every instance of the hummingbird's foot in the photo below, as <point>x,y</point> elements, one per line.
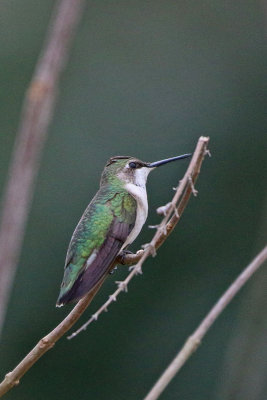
<point>113,270</point>
<point>123,254</point>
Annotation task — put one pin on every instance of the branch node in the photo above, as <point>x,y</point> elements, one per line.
<point>207,152</point>
<point>193,342</point>
<point>164,209</point>
<point>176,212</point>
<point>163,230</point>
<point>94,317</point>
<point>122,285</point>
<point>45,342</point>
<point>138,269</point>
<point>194,191</point>
<point>8,377</point>
<point>112,297</point>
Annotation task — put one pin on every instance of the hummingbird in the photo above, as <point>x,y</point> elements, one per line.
<point>111,222</point>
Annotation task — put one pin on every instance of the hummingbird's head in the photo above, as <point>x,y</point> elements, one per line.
<point>127,169</point>
<point>132,170</point>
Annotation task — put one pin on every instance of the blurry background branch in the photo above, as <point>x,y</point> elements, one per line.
<point>36,115</point>
<point>243,371</point>
<point>170,219</point>
<point>195,339</point>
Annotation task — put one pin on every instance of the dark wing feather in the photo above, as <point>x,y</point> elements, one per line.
<point>107,253</point>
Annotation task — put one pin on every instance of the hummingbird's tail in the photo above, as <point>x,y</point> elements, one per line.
<point>72,290</point>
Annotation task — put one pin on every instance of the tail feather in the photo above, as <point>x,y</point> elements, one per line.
<point>69,280</point>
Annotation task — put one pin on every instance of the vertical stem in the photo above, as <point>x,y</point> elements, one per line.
<point>32,132</point>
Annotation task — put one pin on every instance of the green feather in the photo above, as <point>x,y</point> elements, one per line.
<point>112,200</point>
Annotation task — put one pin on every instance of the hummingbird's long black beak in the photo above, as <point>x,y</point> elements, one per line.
<point>162,162</point>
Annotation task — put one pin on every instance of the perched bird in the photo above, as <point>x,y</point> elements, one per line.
<point>109,224</point>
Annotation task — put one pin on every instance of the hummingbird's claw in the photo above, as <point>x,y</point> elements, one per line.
<point>123,254</point>
<point>113,270</point>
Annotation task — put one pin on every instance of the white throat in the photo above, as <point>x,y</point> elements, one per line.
<point>138,191</point>
<point>140,177</point>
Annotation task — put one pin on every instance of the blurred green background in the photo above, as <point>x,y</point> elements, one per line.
<point>145,79</point>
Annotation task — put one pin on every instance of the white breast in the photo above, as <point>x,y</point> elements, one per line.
<point>139,193</point>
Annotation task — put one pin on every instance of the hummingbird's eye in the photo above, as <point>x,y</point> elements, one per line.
<point>132,165</point>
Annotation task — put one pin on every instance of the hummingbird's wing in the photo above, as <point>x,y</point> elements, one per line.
<point>97,240</point>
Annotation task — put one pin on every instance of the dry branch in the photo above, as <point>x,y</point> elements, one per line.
<point>46,343</point>
<point>36,115</point>
<point>195,339</point>
<point>172,216</point>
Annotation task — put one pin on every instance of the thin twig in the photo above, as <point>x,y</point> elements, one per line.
<point>46,343</point>
<point>36,115</point>
<point>195,339</point>
<point>172,212</point>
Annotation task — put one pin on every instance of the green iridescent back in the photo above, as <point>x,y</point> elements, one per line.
<point>111,203</point>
